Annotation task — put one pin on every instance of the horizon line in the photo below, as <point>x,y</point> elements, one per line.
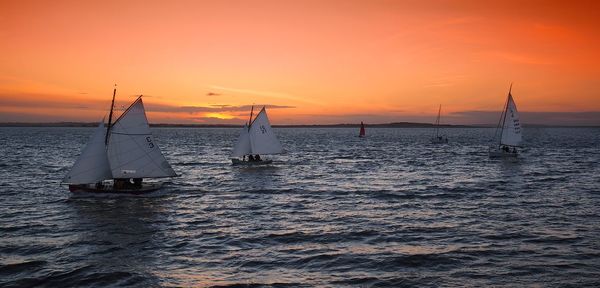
<point>402,124</point>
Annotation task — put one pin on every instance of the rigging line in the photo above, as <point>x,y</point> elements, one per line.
<point>129,108</point>
<point>437,124</point>
<point>261,111</point>
<point>500,120</point>
<point>112,106</point>
<point>505,112</point>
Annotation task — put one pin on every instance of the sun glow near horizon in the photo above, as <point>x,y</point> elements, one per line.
<point>312,62</point>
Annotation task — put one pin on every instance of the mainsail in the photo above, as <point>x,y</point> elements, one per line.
<point>92,165</point>
<point>132,152</point>
<point>262,138</point>
<point>511,129</point>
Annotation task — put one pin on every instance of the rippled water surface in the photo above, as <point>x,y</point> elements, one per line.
<point>388,210</point>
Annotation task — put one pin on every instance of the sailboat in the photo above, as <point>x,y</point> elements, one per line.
<point>256,138</point>
<point>361,134</point>
<point>510,130</point>
<point>438,139</point>
<point>124,152</point>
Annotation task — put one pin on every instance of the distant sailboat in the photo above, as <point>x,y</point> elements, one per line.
<point>438,139</point>
<point>256,138</point>
<point>361,134</point>
<point>510,130</point>
<point>123,152</point>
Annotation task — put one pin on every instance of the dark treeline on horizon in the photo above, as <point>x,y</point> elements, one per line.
<point>342,125</point>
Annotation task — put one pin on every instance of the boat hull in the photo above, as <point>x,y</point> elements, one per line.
<point>502,154</point>
<point>439,141</point>
<point>109,189</point>
<point>239,162</point>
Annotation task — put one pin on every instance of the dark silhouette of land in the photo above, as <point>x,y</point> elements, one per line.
<point>345,125</point>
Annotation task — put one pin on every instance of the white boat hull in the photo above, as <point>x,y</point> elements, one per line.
<point>250,163</point>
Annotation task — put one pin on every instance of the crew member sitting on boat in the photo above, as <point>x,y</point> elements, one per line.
<point>130,183</point>
<point>257,158</point>
<point>137,183</point>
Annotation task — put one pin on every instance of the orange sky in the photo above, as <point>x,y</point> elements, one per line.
<point>314,61</point>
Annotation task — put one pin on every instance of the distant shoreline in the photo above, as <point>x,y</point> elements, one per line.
<point>381,125</point>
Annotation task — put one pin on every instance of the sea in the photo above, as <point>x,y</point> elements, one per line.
<point>388,210</point>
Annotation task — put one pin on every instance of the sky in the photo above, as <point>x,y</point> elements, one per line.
<point>311,62</point>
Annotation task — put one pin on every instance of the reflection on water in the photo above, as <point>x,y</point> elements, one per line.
<point>336,210</point>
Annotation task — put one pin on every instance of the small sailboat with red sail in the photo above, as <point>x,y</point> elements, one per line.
<point>361,133</point>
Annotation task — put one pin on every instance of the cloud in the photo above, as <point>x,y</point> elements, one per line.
<point>215,108</point>
<point>521,58</point>
<point>271,94</point>
<point>213,120</point>
<point>34,101</point>
<point>26,100</point>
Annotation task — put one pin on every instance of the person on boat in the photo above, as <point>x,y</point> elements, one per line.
<point>119,184</point>
<point>137,183</point>
<point>257,158</point>
<point>505,149</point>
<point>514,150</point>
<point>250,158</point>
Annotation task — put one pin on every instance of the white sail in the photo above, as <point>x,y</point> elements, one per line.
<point>92,165</point>
<point>262,138</point>
<point>511,131</point>
<point>242,147</point>
<point>132,152</point>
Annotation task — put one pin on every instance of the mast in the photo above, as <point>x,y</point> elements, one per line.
<point>250,121</point>
<point>504,118</point>
<point>437,122</point>
<point>112,105</point>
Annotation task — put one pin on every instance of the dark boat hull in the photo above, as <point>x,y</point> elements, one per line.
<point>250,163</point>
<point>439,140</point>
<point>499,153</point>
<point>109,189</point>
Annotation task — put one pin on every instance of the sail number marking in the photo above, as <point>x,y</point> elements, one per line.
<point>150,144</point>
<point>263,129</point>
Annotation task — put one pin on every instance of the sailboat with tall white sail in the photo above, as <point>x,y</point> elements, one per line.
<point>256,138</point>
<point>437,138</point>
<point>124,152</point>
<point>510,131</point>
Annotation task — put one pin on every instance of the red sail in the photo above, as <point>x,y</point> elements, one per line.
<point>362,130</point>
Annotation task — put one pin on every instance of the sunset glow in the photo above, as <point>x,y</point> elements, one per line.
<point>314,62</point>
